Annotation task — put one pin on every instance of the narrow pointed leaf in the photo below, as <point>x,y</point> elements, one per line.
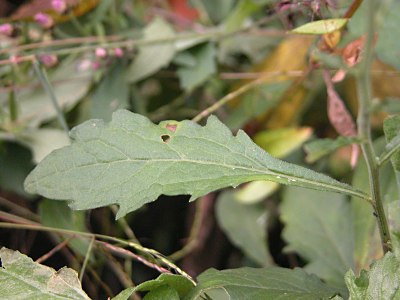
<point>132,161</point>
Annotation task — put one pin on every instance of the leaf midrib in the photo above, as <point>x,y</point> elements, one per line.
<point>252,169</point>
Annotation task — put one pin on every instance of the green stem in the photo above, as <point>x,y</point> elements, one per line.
<point>391,148</point>
<point>12,106</point>
<point>192,241</point>
<point>364,126</point>
<point>44,80</point>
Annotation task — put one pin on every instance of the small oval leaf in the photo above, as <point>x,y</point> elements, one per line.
<point>321,26</point>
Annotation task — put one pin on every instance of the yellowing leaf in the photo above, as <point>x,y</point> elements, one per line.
<point>256,191</point>
<point>288,57</point>
<point>321,26</point>
<point>281,142</point>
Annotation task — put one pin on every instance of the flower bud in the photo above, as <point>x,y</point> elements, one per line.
<point>6,29</point>
<point>101,52</point>
<point>44,20</point>
<point>49,60</point>
<point>59,6</point>
<point>118,52</point>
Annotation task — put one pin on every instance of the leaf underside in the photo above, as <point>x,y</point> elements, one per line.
<point>131,161</point>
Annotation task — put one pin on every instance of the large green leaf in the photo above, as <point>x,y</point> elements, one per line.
<point>382,281</point>
<point>250,234</point>
<point>203,66</point>
<point>318,226</point>
<point>261,284</point>
<point>132,161</point>
<point>152,58</point>
<point>111,94</point>
<point>21,278</point>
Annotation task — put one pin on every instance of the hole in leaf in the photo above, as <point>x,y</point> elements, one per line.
<point>165,138</point>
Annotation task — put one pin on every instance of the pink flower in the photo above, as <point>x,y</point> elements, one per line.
<point>44,20</point>
<point>6,29</point>
<point>59,6</point>
<point>101,52</point>
<point>49,60</point>
<point>118,52</point>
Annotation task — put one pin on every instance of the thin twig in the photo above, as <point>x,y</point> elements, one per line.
<point>16,219</point>
<point>99,281</point>
<point>125,226</point>
<point>44,80</point>
<point>255,75</point>
<point>353,8</point>
<point>22,211</point>
<point>55,249</point>
<point>86,260</point>
<point>135,246</point>
<point>62,42</point>
<point>117,269</point>
<point>229,97</point>
<point>192,241</point>
<point>127,253</point>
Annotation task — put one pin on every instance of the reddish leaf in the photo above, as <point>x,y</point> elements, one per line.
<point>339,116</point>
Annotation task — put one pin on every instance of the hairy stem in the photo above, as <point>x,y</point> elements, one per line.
<point>364,126</point>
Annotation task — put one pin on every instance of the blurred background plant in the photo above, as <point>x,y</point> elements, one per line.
<point>66,61</point>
